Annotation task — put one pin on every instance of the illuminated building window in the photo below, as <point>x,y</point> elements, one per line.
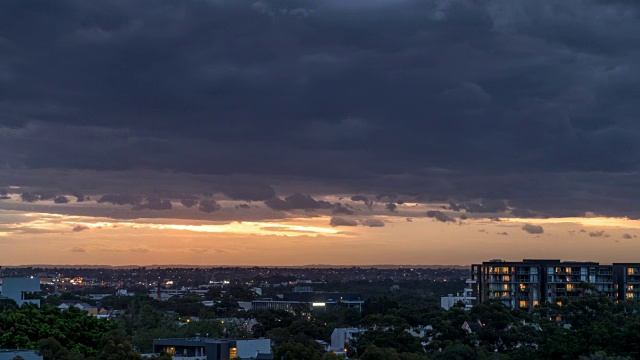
<point>570,287</point>
<point>630,271</point>
<point>505,287</point>
<point>523,303</point>
<point>630,296</point>
<point>536,302</point>
<point>233,353</point>
<point>171,350</point>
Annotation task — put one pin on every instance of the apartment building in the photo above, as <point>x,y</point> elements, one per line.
<point>527,283</point>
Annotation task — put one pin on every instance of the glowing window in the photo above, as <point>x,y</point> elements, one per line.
<point>171,350</point>
<point>233,353</point>
<point>523,303</point>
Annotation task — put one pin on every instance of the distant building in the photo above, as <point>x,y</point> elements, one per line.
<point>341,336</point>
<point>467,298</point>
<point>8,354</point>
<point>90,309</point>
<point>214,349</point>
<point>17,289</point>
<point>312,300</point>
<point>530,282</point>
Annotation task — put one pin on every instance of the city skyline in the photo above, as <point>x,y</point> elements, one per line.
<point>220,132</point>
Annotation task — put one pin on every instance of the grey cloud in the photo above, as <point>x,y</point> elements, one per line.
<point>372,223</point>
<point>139,250</point>
<point>60,200</point>
<point>330,106</point>
<point>368,202</point>
<point>249,192</point>
<point>154,204</point>
<point>120,199</point>
<point>78,250</point>
<point>209,206</point>
<point>533,229</point>
<point>503,233</point>
<point>29,197</point>
<point>295,202</point>
<point>391,207</point>
<point>440,216</point>
<point>243,206</point>
<point>79,228</point>
<point>627,236</point>
<point>338,208</point>
<point>340,221</point>
<point>600,233</point>
<point>189,202</point>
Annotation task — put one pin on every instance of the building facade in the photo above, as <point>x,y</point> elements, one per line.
<point>527,283</point>
<point>214,349</point>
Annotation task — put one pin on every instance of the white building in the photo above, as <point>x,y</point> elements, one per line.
<point>467,298</point>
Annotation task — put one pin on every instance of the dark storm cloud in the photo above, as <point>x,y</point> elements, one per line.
<point>440,216</point>
<point>120,199</point>
<point>295,202</point>
<point>526,104</point>
<point>29,197</point>
<point>533,229</point>
<point>391,207</point>
<point>627,236</point>
<point>368,202</point>
<point>189,202</point>
<point>61,200</point>
<point>209,206</point>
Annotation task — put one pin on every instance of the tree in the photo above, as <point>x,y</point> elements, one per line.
<point>116,346</point>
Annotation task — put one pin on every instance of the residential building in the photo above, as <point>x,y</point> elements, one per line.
<point>214,349</point>
<point>527,283</point>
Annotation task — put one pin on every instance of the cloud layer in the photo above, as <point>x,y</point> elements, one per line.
<point>496,106</point>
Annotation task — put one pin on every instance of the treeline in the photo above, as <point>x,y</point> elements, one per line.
<point>63,335</point>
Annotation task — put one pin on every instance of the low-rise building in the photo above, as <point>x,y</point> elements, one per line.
<point>10,354</point>
<point>214,349</point>
<point>18,289</point>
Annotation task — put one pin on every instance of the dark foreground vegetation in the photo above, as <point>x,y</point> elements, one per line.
<point>591,327</point>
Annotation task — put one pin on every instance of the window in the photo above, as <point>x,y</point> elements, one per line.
<point>233,353</point>
<point>570,287</point>
<point>523,303</point>
<point>170,350</point>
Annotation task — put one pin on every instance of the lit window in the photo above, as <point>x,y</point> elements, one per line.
<point>171,350</point>
<point>523,303</point>
<point>570,287</point>
<point>233,353</point>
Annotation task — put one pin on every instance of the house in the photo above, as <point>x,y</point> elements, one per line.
<point>214,349</point>
<point>90,309</point>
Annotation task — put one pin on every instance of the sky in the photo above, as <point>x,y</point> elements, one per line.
<point>299,132</point>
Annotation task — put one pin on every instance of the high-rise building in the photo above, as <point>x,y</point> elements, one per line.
<point>527,283</point>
